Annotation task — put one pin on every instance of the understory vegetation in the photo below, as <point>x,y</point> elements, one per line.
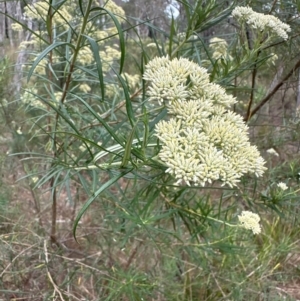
<point>152,158</point>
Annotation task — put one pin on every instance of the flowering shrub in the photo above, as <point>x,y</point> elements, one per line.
<point>96,134</point>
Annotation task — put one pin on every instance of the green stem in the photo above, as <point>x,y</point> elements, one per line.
<point>197,214</point>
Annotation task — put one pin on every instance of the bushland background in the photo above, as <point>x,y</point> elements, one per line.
<point>131,243</point>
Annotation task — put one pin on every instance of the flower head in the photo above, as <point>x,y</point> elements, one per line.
<point>85,56</point>
<point>39,10</point>
<point>85,88</point>
<point>219,48</point>
<point>272,151</point>
<point>242,12</point>
<point>16,27</point>
<point>115,9</point>
<point>282,186</point>
<point>202,141</point>
<point>34,179</point>
<point>250,221</point>
<point>262,23</point>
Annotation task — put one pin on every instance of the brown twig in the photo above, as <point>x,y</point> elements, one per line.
<point>134,252</point>
<point>275,89</point>
<point>54,212</point>
<point>15,258</point>
<point>273,7</point>
<point>54,205</point>
<point>55,287</point>
<point>281,42</point>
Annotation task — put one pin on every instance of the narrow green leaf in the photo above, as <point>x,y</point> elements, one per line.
<point>43,54</point>
<point>187,7</point>
<point>58,4</point>
<point>95,50</point>
<point>172,33</point>
<point>146,132</point>
<point>91,143</point>
<point>94,196</point>
<point>216,20</point>
<point>94,113</point>
<point>159,117</point>
<point>49,20</point>
<point>120,33</point>
<point>128,146</point>
<point>129,109</point>
<point>80,7</point>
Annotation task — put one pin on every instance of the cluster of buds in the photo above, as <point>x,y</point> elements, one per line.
<point>203,141</point>
<point>266,24</point>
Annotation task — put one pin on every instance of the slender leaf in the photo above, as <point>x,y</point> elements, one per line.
<point>94,196</point>
<point>129,109</point>
<point>120,33</point>
<point>128,147</point>
<point>43,55</point>
<point>95,50</point>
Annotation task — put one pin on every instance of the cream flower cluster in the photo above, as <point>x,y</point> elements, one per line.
<point>115,9</point>
<point>261,22</point>
<point>108,56</point>
<point>39,10</point>
<point>219,48</point>
<point>203,141</point>
<point>85,88</point>
<point>85,56</point>
<point>250,221</point>
<point>16,27</point>
<point>29,97</point>
<point>273,152</point>
<point>282,186</point>
<point>131,80</point>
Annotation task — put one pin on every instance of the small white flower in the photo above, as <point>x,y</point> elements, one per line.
<point>85,88</point>
<point>34,179</point>
<point>250,221</point>
<point>282,186</point>
<point>82,148</point>
<point>272,151</point>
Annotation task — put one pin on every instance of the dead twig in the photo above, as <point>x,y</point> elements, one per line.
<point>55,287</point>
